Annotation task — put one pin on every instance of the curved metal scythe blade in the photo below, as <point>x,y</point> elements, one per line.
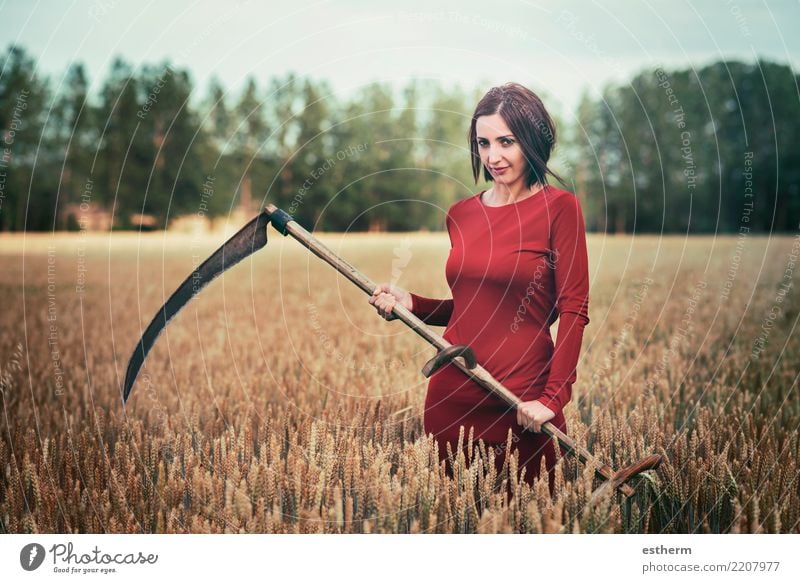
<point>251,238</point>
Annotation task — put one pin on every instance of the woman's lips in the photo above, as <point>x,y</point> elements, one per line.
<point>499,170</point>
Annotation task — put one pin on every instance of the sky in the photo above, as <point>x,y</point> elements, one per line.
<point>561,48</point>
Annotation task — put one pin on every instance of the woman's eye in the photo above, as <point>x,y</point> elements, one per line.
<point>503,141</point>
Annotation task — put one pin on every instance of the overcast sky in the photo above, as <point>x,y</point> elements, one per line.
<point>559,46</point>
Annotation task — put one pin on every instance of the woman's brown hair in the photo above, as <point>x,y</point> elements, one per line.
<point>527,118</point>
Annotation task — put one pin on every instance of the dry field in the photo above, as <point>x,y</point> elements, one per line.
<point>278,401</point>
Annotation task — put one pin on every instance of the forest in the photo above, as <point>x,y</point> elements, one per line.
<point>708,150</point>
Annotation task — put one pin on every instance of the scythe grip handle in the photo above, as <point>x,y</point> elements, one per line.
<point>448,354</point>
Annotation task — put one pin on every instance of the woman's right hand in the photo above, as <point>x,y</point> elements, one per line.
<point>386,296</point>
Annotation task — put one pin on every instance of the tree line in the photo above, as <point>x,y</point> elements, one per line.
<point>715,149</point>
<point>708,150</point>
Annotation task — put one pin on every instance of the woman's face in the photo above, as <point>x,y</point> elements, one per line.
<point>500,151</point>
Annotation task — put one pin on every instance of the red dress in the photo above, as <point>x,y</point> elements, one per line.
<point>513,270</point>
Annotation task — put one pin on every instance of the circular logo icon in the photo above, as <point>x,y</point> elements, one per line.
<point>31,556</point>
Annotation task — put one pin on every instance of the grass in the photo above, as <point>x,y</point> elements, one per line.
<point>278,401</point>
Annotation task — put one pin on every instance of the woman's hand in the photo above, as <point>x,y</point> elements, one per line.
<point>384,298</point>
<point>532,415</point>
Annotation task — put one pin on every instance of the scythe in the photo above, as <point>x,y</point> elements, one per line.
<point>253,237</point>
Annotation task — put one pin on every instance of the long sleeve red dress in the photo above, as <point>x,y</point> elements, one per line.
<point>513,270</point>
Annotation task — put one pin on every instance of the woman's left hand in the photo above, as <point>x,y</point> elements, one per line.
<point>532,415</point>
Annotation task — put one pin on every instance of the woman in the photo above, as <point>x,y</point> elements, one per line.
<point>517,263</point>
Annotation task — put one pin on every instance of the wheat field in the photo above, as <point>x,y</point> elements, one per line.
<point>278,401</point>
